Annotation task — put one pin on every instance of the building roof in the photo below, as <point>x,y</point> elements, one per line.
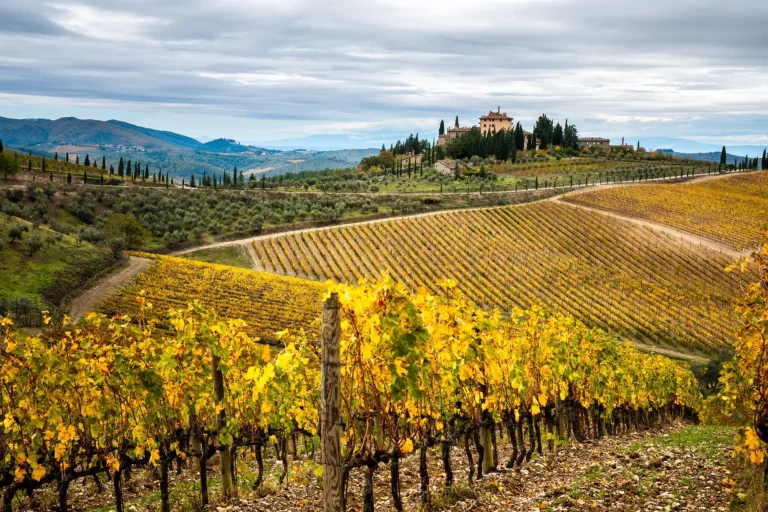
<point>460,130</point>
<point>496,115</point>
<point>526,132</point>
<point>593,139</point>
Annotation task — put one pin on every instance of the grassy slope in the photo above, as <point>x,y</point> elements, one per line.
<point>51,273</point>
<point>235,256</point>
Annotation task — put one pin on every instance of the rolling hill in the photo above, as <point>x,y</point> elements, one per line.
<point>172,152</point>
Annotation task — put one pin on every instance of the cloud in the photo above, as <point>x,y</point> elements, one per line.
<point>683,68</point>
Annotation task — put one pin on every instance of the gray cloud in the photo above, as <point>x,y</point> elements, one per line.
<point>258,69</point>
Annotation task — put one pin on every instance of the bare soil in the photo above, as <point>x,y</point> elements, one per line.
<point>88,300</point>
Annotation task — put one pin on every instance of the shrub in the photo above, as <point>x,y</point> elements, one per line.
<point>23,305</point>
<point>117,245</point>
<point>34,244</point>
<point>52,238</point>
<point>15,232</point>
<point>15,195</point>
<point>90,234</point>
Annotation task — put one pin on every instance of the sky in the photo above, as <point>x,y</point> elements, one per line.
<point>358,73</point>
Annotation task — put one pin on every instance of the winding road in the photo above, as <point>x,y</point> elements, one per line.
<point>89,299</point>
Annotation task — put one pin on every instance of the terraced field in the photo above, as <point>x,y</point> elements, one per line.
<point>268,303</point>
<point>732,211</point>
<point>605,272</point>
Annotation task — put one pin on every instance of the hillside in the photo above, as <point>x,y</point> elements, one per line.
<point>604,272</point>
<point>42,267</point>
<point>730,211</point>
<point>178,154</point>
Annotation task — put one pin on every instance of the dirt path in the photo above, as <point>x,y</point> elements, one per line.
<point>88,300</point>
<point>584,189</point>
<point>669,353</point>
<point>250,240</point>
<point>684,236</point>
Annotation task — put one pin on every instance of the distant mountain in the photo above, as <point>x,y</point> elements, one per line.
<point>693,146</point>
<point>713,156</point>
<point>77,132</point>
<point>178,154</point>
<point>171,138</point>
<point>331,142</point>
<point>232,147</point>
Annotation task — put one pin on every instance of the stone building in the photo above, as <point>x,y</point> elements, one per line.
<point>590,142</point>
<point>452,133</point>
<point>494,122</point>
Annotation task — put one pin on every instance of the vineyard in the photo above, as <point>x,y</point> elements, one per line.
<point>604,272</point>
<point>601,169</point>
<point>732,211</point>
<point>417,371</point>
<point>268,303</point>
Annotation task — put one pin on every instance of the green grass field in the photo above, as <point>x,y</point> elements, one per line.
<point>60,266</point>
<point>234,256</point>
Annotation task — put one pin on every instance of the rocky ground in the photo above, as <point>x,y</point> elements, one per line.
<point>678,467</point>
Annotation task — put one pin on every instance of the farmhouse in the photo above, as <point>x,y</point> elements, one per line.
<point>589,142</point>
<point>451,134</point>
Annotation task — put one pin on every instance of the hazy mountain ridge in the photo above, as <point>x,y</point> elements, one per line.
<point>169,151</point>
<point>713,156</point>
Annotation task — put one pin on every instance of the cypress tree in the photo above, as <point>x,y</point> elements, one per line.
<point>111,170</point>
<point>1,145</point>
<point>29,165</point>
<point>557,135</point>
<point>77,159</point>
<point>456,124</point>
<point>56,156</point>
<point>723,157</point>
<point>69,177</point>
<point>87,160</point>
<point>764,162</point>
<point>43,165</point>
<point>103,163</point>
<point>85,176</point>
<point>192,181</point>
<point>66,157</point>
<point>120,167</point>
<point>441,131</point>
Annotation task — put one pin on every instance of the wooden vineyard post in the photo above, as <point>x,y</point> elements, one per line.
<point>227,488</point>
<point>330,406</point>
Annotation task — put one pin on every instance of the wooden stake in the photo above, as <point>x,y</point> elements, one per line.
<point>330,405</point>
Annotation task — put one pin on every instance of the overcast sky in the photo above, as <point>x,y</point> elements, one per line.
<point>258,71</point>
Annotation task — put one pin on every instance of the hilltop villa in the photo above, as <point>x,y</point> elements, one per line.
<point>492,122</point>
